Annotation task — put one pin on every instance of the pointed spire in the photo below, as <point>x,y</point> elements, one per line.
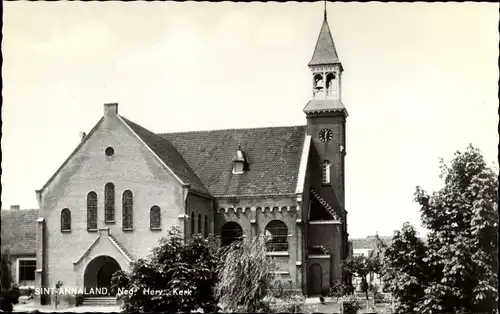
<point>325,52</point>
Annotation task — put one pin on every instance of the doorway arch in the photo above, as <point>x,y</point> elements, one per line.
<point>315,280</point>
<point>98,274</point>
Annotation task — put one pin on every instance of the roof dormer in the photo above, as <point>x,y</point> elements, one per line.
<point>240,162</point>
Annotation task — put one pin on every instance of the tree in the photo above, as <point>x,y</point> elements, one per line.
<point>404,272</point>
<point>360,266</point>
<point>246,277</point>
<point>463,246</point>
<point>455,271</point>
<point>184,275</point>
<point>9,293</point>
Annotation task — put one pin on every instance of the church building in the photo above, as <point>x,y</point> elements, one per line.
<point>124,187</point>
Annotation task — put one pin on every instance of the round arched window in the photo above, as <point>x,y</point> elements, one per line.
<point>109,151</point>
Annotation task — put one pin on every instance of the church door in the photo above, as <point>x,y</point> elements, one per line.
<point>315,280</point>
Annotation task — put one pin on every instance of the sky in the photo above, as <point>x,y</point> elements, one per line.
<point>420,82</point>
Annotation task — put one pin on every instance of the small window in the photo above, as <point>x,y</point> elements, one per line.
<point>127,210</point>
<point>109,151</point>
<point>26,272</point>
<point>206,226</point>
<point>326,172</point>
<point>155,218</point>
<point>65,220</point>
<point>199,223</point>
<point>109,206</point>
<point>192,224</point>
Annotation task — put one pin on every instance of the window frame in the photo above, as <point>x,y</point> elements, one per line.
<point>127,211</point>
<point>278,242</point>
<point>326,172</point>
<point>92,209</point>
<point>109,207</point>
<point>18,272</point>
<point>158,210</point>
<point>65,220</point>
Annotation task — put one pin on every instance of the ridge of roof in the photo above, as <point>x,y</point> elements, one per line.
<point>169,155</point>
<point>232,129</point>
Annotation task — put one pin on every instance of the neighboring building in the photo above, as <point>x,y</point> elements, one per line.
<point>366,247</point>
<point>124,186</point>
<point>19,240</point>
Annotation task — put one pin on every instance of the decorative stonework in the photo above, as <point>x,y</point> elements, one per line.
<point>325,204</point>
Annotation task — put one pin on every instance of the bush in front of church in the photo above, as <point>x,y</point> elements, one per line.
<point>176,277</point>
<point>9,293</point>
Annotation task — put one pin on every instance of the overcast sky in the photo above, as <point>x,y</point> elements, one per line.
<point>420,82</point>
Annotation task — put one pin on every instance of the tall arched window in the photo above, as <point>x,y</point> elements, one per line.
<point>109,205</point>
<point>127,210</point>
<point>155,218</point>
<point>65,220</point>
<point>206,226</point>
<point>192,223</point>
<point>326,172</point>
<point>92,211</point>
<point>199,223</point>
<point>276,236</point>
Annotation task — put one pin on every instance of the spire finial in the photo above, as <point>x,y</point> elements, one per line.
<point>325,9</point>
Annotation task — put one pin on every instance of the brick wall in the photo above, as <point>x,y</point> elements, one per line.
<point>131,168</point>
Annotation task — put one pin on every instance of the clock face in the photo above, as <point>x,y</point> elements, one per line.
<point>325,135</point>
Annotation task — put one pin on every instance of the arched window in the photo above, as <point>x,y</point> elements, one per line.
<point>330,83</point>
<point>325,169</point>
<point>127,210</point>
<point>276,236</point>
<point>206,226</point>
<point>192,223</point>
<point>65,220</point>
<point>109,205</point>
<point>155,218</point>
<point>92,211</point>
<point>199,224</point>
<point>231,231</point>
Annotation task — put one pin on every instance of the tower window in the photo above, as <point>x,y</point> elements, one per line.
<point>326,172</point>
<point>109,151</point>
<point>330,83</point>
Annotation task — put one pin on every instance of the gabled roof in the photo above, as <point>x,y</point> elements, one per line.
<point>368,242</point>
<point>273,154</point>
<point>19,231</point>
<point>169,155</point>
<point>325,52</point>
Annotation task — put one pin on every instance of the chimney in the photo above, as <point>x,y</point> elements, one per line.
<point>110,110</point>
<point>15,207</point>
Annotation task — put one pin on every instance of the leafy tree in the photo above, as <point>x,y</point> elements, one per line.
<point>9,293</point>
<point>361,266</point>
<point>174,268</point>
<point>246,277</point>
<point>463,244</point>
<point>405,273</point>
<point>456,270</point>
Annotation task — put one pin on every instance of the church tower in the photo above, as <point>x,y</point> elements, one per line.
<point>325,113</point>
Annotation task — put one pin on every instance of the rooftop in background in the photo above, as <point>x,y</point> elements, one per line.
<point>19,230</point>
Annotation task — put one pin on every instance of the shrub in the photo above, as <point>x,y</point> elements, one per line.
<point>9,293</point>
<point>172,267</point>
<point>338,289</point>
<point>294,303</point>
<point>349,304</point>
